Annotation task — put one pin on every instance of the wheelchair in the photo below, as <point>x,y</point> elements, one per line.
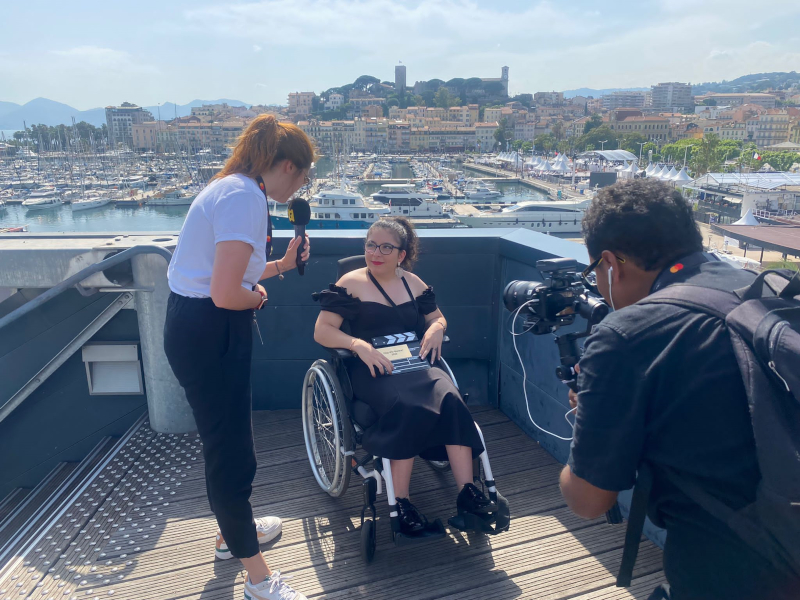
<point>333,426</point>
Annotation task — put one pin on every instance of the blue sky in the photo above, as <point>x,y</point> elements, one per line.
<point>93,53</point>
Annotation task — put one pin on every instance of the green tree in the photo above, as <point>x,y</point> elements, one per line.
<point>443,99</point>
<point>544,142</point>
<point>631,141</point>
<point>500,132</point>
<point>563,147</point>
<point>558,130</point>
<point>596,136</point>
<point>364,82</point>
<point>706,159</point>
<point>593,122</point>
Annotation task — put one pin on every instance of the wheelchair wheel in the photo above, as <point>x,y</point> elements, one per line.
<point>440,465</point>
<point>368,540</point>
<point>327,429</point>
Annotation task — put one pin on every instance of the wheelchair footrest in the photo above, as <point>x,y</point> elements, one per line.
<point>434,531</point>
<point>492,524</point>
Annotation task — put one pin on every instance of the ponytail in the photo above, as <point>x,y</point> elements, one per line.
<point>406,236</point>
<point>265,142</point>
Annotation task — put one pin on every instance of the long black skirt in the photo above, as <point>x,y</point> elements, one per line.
<point>418,413</point>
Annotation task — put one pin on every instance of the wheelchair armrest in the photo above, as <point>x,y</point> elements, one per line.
<point>446,340</point>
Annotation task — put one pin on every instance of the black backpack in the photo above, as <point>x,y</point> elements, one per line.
<point>763,320</point>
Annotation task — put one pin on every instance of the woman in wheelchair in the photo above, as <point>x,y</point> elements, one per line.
<point>416,413</point>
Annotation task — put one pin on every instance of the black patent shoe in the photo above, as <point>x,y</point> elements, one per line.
<point>412,522</point>
<point>472,500</point>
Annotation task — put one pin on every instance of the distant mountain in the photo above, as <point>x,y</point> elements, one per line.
<point>755,82</point>
<point>597,93</point>
<point>169,109</point>
<point>49,112</point>
<point>7,107</point>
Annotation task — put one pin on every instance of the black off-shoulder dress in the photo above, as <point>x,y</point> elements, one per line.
<point>418,412</point>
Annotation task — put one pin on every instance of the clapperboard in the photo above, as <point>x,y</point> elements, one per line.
<point>403,350</point>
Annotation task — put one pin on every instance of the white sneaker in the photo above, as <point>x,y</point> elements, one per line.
<point>268,528</point>
<point>274,588</point>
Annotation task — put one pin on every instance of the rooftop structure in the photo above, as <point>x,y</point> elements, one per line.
<point>144,489</point>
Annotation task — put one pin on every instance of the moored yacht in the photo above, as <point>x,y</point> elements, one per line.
<point>42,199</point>
<point>551,217</point>
<point>404,199</point>
<point>90,201</point>
<point>171,197</point>
<point>334,209</point>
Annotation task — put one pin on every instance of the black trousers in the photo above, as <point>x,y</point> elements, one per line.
<point>210,350</point>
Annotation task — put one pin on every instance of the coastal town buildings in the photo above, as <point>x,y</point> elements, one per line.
<point>672,96</point>
<point>121,119</point>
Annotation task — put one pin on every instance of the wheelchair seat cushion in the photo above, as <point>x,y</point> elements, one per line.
<point>363,414</point>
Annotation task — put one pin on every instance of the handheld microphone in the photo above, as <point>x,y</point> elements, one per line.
<point>299,216</point>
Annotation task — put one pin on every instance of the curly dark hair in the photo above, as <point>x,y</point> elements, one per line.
<point>643,219</point>
<point>405,234</point>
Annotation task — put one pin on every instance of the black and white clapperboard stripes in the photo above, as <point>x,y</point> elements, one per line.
<point>403,350</point>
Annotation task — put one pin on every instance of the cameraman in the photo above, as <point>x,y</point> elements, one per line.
<point>660,384</point>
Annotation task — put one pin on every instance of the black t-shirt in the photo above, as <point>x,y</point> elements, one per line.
<point>660,383</point>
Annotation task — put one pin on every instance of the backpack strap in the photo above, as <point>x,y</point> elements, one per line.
<point>636,518</point>
<point>717,303</point>
<point>773,277</point>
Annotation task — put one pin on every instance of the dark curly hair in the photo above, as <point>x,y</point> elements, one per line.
<point>406,236</point>
<point>643,219</point>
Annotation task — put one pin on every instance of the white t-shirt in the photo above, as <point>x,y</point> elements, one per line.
<point>231,208</point>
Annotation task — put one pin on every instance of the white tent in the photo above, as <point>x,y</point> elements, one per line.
<point>544,166</point>
<point>656,174</point>
<point>682,177</point>
<point>650,168</point>
<point>561,167</point>
<point>748,219</point>
<point>670,174</point>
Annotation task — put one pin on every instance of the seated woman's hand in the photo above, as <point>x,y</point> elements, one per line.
<point>432,343</point>
<point>377,362</point>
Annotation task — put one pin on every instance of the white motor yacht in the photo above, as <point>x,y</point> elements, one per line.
<point>42,199</point>
<point>546,217</point>
<point>171,197</point>
<point>337,208</point>
<point>404,199</point>
<point>481,192</point>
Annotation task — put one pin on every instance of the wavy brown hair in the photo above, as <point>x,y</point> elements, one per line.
<point>406,237</point>
<point>265,142</point>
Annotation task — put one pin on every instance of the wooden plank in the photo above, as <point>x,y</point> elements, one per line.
<point>640,589</point>
<point>548,553</point>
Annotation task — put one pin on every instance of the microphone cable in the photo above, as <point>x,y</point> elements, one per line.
<point>525,378</point>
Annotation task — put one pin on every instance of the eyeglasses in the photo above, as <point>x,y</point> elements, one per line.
<point>587,273</point>
<point>384,248</point>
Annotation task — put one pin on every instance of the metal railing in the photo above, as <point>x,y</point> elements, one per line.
<point>76,279</point>
<point>76,343</point>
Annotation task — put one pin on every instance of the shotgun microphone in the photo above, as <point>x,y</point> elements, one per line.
<point>299,216</point>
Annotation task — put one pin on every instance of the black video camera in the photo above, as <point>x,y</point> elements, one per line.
<point>552,304</point>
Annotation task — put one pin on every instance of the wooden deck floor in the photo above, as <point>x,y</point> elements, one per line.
<point>143,530</point>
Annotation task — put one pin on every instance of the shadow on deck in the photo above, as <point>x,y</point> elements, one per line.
<point>143,530</point>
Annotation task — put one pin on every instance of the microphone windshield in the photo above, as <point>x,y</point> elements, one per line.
<point>299,212</point>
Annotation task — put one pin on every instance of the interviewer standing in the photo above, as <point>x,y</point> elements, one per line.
<point>221,256</point>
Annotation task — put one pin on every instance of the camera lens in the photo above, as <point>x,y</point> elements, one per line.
<point>518,293</point>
